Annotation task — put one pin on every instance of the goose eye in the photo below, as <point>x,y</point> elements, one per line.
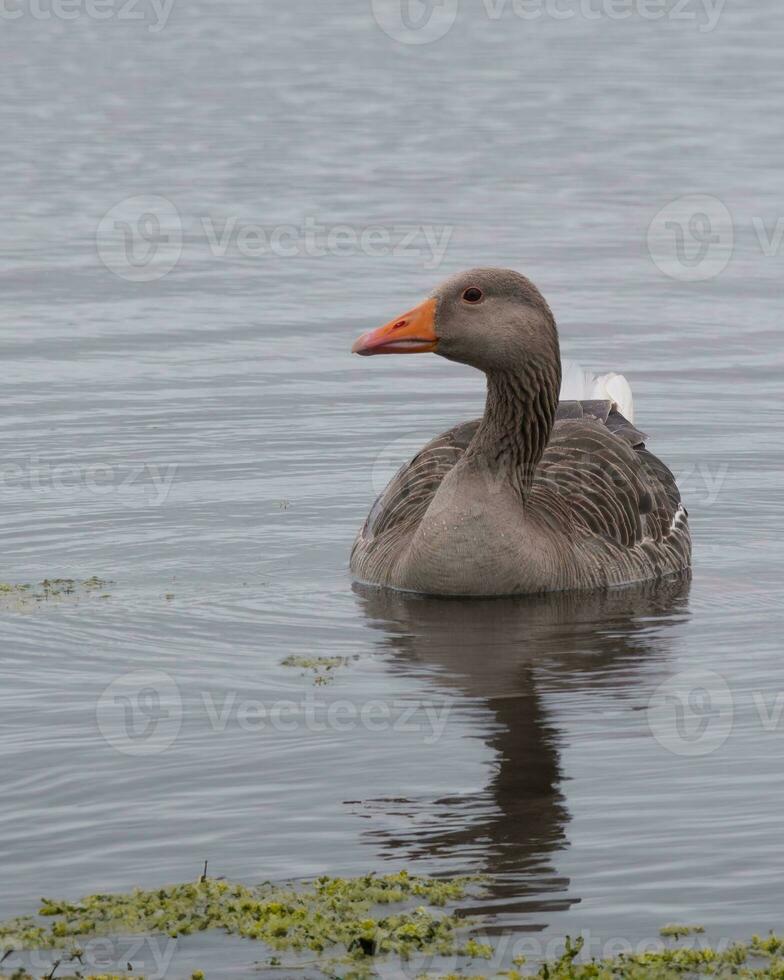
<point>472,295</point>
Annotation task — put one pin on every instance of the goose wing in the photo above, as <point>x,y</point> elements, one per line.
<point>408,494</point>
<point>402,505</point>
<point>600,478</point>
<point>396,514</point>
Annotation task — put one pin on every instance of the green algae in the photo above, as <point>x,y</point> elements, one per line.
<point>476,950</point>
<point>358,918</point>
<point>54,975</point>
<point>676,930</point>
<point>758,959</point>
<point>27,595</point>
<point>346,926</point>
<point>322,667</point>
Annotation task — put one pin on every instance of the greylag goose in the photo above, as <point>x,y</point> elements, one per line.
<point>535,496</point>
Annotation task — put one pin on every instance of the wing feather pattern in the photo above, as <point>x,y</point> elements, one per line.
<point>596,477</point>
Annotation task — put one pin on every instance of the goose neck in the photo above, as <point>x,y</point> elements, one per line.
<point>519,413</point>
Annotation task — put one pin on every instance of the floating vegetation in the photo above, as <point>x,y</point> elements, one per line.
<point>676,930</point>
<point>347,926</point>
<point>54,974</point>
<point>322,667</point>
<point>351,917</point>
<point>759,959</point>
<point>52,590</point>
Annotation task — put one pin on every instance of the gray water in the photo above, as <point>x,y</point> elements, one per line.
<point>205,443</point>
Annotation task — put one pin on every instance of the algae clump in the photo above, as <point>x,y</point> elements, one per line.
<point>676,930</point>
<point>353,917</point>
<point>322,667</point>
<point>24,596</point>
<point>345,926</point>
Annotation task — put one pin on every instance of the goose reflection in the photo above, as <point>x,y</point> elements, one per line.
<point>508,657</point>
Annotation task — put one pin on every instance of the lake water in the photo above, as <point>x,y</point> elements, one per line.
<point>204,442</point>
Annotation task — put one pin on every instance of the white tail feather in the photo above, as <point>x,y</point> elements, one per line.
<point>581,385</point>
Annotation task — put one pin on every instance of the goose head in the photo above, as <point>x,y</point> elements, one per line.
<point>493,319</point>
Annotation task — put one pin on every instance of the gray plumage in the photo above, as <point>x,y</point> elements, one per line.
<point>534,496</point>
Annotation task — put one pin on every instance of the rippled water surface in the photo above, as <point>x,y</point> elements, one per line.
<point>205,443</point>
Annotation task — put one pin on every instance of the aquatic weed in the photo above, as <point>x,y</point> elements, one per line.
<point>676,930</point>
<point>352,915</point>
<point>321,667</point>
<point>23,596</point>
<point>348,924</point>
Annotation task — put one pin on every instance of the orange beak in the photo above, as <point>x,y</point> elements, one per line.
<point>412,333</point>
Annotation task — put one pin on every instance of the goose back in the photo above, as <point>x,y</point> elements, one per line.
<point>612,507</point>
